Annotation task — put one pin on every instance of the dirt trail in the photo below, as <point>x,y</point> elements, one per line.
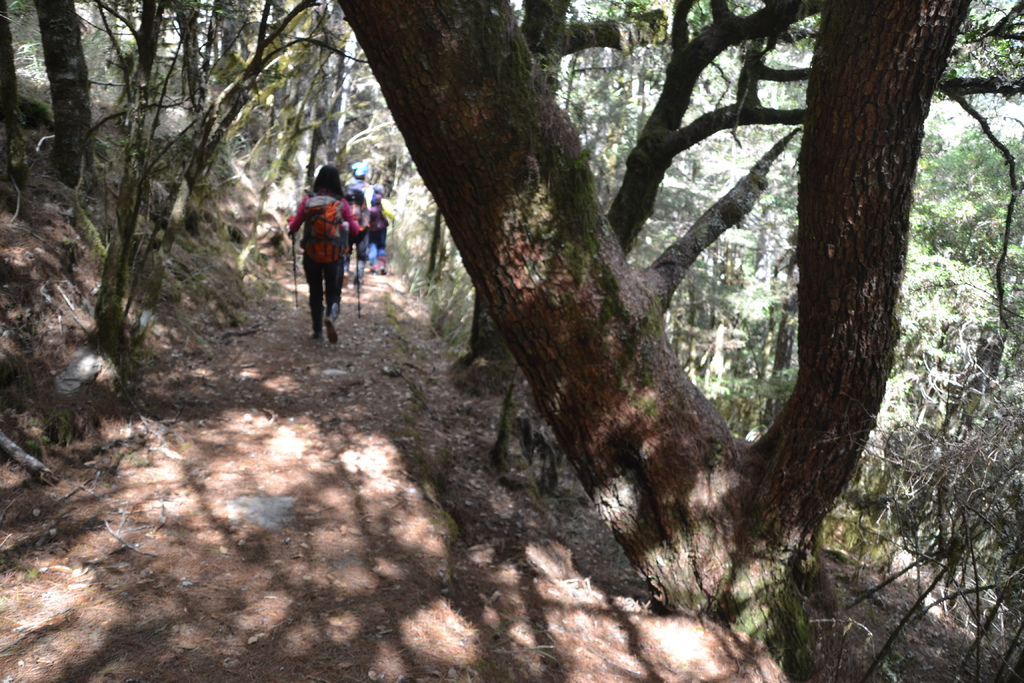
<point>296,511</point>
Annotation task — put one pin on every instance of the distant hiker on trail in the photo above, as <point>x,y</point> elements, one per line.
<point>381,216</point>
<point>356,195</point>
<point>330,228</point>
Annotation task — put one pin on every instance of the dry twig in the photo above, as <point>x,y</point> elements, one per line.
<point>125,543</point>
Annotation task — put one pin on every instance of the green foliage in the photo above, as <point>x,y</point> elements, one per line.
<point>961,195</point>
<point>988,46</point>
<point>946,308</point>
<point>451,308</point>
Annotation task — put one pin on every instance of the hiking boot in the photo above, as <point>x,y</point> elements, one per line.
<point>315,335</point>
<point>332,334</point>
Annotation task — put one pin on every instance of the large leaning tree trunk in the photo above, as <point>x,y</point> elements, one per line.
<point>712,522</point>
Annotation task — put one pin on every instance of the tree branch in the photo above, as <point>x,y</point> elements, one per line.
<point>728,211</point>
<point>625,35</point>
<point>34,466</point>
<point>680,25</point>
<point>767,73</point>
<point>720,10</point>
<point>650,159</point>
<point>957,87</point>
<point>725,118</point>
<point>235,94</point>
<point>125,543</point>
<point>997,30</point>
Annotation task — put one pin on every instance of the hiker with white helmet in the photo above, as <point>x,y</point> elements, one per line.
<point>356,194</point>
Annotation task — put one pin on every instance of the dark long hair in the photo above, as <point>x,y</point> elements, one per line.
<point>328,180</point>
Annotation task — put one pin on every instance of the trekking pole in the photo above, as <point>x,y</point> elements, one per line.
<point>359,276</point>
<point>295,275</point>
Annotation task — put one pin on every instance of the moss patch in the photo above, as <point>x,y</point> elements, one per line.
<point>773,611</point>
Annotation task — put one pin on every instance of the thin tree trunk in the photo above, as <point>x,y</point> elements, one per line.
<point>782,356</point>
<point>436,260</point>
<point>111,311</point>
<point>69,88</point>
<point>17,166</point>
<point>211,128</point>
<point>134,186</point>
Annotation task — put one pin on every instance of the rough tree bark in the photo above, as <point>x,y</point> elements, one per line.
<point>69,88</point>
<point>712,522</point>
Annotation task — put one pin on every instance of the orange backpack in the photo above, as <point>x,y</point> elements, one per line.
<point>325,237</point>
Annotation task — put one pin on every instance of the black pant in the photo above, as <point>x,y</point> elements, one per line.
<point>322,278</point>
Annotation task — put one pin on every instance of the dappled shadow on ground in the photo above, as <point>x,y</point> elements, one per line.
<point>390,551</point>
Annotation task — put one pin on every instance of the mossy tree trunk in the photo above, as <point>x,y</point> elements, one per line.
<point>712,522</point>
<point>136,178</point>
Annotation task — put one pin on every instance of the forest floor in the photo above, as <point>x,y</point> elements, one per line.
<point>265,507</point>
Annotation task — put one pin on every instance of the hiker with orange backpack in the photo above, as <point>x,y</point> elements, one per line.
<point>330,229</point>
